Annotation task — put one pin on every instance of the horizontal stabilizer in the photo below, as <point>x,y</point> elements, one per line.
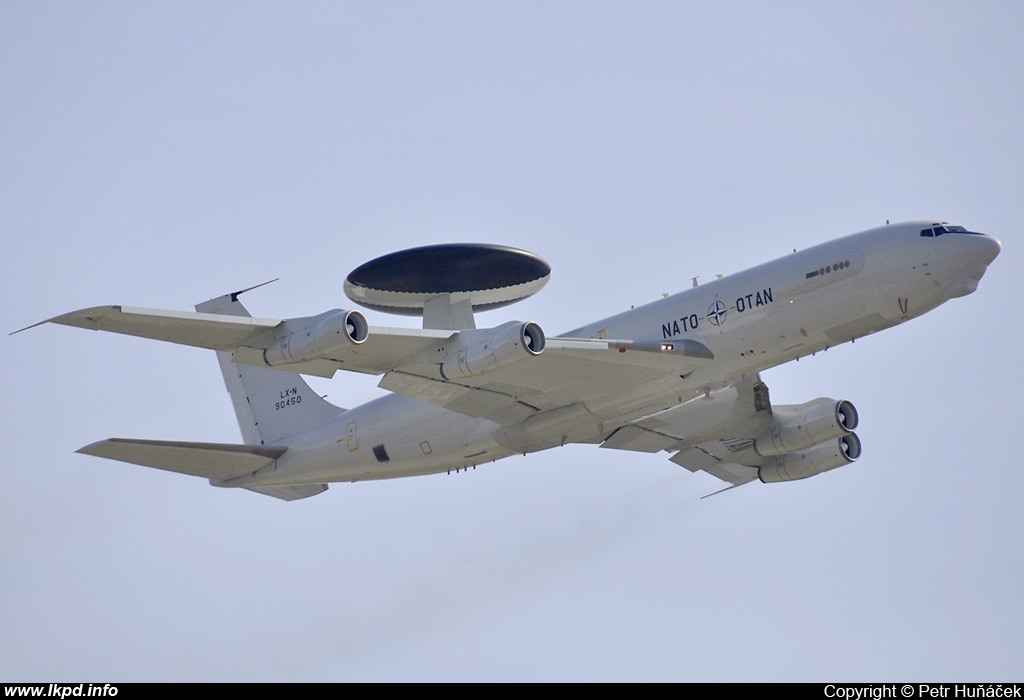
<point>213,461</point>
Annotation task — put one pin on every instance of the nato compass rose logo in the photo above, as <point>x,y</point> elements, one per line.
<point>716,313</point>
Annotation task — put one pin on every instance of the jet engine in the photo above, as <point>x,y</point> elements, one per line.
<point>806,425</point>
<point>510,343</point>
<point>817,460</point>
<point>319,340</point>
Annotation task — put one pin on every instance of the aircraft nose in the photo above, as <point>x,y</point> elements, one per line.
<point>982,250</point>
<point>989,248</point>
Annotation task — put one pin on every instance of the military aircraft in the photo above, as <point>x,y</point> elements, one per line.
<point>679,375</point>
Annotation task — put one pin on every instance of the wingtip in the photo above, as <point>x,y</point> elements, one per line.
<point>28,327</point>
<point>92,449</point>
<point>79,319</point>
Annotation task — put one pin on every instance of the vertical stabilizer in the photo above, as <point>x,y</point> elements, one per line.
<point>269,404</point>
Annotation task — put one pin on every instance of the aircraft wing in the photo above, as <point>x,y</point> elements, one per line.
<point>211,331</point>
<point>570,371</point>
<point>604,378</point>
<point>248,337</point>
<point>583,384</point>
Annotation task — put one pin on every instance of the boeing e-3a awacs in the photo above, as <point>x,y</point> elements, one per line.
<point>679,375</point>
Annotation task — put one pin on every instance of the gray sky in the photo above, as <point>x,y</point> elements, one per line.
<point>161,154</point>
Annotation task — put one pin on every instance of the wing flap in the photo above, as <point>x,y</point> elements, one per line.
<point>713,433</point>
<point>696,459</point>
<point>214,461</point>
<point>639,439</point>
<point>290,493</point>
<point>502,408</point>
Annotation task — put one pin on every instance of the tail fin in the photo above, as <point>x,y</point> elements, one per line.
<point>269,404</point>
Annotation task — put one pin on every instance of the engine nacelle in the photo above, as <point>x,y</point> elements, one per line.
<point>812,423</point>
<point>817,460</point>
<point>320,340</point>
<point>509,344</point>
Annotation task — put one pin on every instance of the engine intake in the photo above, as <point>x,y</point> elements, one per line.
<point>817,460</point>
<point>340,329</point>
<point>509,344</point>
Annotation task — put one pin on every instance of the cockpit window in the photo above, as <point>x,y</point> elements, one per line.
<point>941,228</point>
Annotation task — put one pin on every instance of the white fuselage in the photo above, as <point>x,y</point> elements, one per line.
<point>796,305</point>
